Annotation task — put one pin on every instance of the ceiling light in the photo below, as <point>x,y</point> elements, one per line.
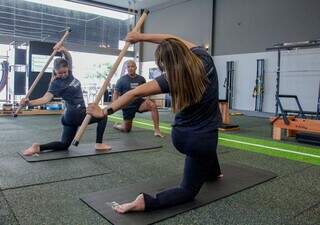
<point>84,8</point>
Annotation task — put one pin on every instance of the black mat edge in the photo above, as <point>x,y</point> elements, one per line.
<point>27,158</point>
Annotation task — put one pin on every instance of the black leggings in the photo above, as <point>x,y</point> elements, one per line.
<point>201,165</point>
<point>71,120</point>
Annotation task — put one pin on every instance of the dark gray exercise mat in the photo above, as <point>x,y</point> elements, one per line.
<point>118,145</point>
<point>236,178</point>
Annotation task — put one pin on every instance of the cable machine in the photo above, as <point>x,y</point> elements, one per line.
<point>286,47</point>
<point>228,83</point>
<point>306,130</point>
<point>258,90</point>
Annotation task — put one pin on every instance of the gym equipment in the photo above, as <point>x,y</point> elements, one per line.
<point>108,79</point>
<point>224,109</point>
<point>226,104</point>
<point>118,146</point>
<point>159,100</point>
<point>228,83</point>
<point>5,73</point>
<point>64,37</point>
<point>285,47</point>
<point>6,109</point>
<point>54,106</point>
<point>258,90</point>
<point>294,124</point>
<point>237,178</point>
<point>308,138</point>
<point>32,112</point>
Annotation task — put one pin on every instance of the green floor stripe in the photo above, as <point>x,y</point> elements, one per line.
<point>271,143</point>
<point>272,148</point>
<point>142,123</point>
<point>271,151</point>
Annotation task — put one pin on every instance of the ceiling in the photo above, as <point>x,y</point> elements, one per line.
<point>22,21</point>
<point>140,4</point>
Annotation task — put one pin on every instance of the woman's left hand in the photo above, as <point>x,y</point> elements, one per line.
<point>134,37</point>
<point>59,47</point>
<point>95,111</point>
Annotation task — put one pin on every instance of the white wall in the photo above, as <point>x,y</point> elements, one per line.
<point>304,83</point>
<point>191,20</point>
<point>243,26</point>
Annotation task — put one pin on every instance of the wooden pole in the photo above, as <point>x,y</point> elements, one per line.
<point>36,81</point>
<point>108,79</point>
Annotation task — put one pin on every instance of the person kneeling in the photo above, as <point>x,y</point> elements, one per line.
<point>129,82</point>
<point>189,75</point>
<point>65,85</point>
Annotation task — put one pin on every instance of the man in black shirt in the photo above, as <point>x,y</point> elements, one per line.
<point>126,83</point>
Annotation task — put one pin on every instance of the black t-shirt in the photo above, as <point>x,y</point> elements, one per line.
<point>204,115</point>
<point>69,89</point>
<point>127,83</point>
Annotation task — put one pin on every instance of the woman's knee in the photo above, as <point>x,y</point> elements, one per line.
<point>65,121</point>
<point>190,193</point>
<point>151,105</point>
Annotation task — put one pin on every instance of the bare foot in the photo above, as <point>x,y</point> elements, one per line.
<point>215,178</point>
<point>34,149</point>
<point>102,147</point>
<point>136,205</point>
<point>220,176</point>
<point>157,133</point>
<point>118,127</point>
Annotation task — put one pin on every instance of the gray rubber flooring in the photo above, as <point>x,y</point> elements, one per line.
<point>48,192</point>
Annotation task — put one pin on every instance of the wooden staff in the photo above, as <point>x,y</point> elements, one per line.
<point>36,81</point>
<point>108,79</point>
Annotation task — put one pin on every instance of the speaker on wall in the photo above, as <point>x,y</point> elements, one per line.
<point>20,57</point>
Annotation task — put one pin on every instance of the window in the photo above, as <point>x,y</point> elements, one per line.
<point>42,20</point>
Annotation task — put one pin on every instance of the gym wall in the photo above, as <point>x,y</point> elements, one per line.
<point>248,26</point>
<point>191,19</point>
<point>244,29</point>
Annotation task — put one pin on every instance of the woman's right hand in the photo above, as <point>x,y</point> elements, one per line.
<point>95,111</point>
<point>134,37</point>
<point>24,101</point>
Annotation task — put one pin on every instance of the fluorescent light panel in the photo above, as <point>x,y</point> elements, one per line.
<point>84,8</point>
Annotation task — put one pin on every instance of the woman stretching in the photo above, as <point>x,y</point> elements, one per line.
<point>65,85</point>
<point>189,75</point>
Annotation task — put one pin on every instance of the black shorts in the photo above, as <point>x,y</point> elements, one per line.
<point>130,112</point>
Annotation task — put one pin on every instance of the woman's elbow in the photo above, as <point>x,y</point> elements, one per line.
<point>46,99</point>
